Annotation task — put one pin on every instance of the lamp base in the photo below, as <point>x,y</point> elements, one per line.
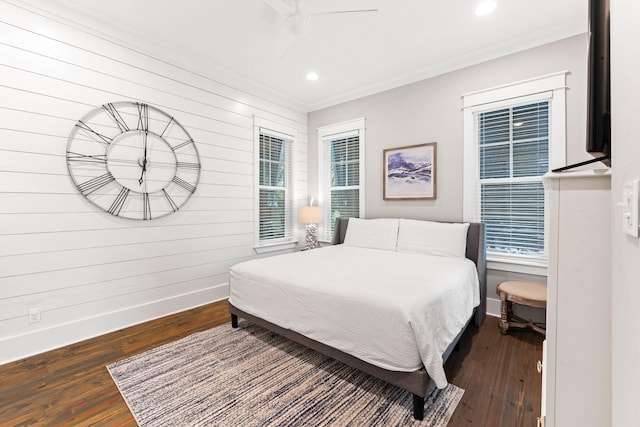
<point>311,237</point>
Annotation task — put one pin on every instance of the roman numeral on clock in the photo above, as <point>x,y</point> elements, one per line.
<point>118,203</point>
<point>188,165</point>
<point>167,126</point>
<point>102,139</point>
<point>182,144</point>
<point>173,204</point>
<point>86,158</point>
<point>115,115</point>
<point>143,116</point>
<point>146,206</point>
<point>184,184</point>
<point>95,184</point>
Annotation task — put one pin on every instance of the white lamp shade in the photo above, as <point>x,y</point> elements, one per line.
<point>310,215</point>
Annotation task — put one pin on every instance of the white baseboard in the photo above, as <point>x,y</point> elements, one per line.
<point>43,340</point>
<point>493,307</point>
<point>21,346</point>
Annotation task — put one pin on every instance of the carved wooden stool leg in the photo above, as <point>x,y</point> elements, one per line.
<point>504,313</point>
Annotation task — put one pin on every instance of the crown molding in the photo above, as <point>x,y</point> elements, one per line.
<point>77,14</point>
<point>495,51</point>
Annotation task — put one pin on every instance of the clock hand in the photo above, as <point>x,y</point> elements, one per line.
<point>144,169</point>
<point>144,160</point>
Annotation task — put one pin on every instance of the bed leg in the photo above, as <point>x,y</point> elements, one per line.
<point>418,407</point>
<point>234,321</point>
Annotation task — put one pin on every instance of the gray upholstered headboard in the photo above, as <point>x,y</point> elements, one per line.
<point>475,252</point>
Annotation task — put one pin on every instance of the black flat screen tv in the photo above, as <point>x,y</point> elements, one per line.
<point>599,82</point>
<point>598,87</point>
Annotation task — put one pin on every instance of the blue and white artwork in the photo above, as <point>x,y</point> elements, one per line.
<point>410,172</point>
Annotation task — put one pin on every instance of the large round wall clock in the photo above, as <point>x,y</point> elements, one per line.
<point>133,160</point>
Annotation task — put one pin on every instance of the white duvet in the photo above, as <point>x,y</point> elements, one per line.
<point>398,311</point>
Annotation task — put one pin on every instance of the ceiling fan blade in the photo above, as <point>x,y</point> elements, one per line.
<point>344,11</point>
<point>286,48</point>
<point>283,7</point>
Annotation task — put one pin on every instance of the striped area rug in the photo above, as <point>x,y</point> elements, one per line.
<point>252,377</point>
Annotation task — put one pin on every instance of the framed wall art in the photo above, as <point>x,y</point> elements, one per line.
<point>409,173</point>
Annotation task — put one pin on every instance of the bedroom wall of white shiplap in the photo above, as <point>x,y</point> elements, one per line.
<point>89,272</point>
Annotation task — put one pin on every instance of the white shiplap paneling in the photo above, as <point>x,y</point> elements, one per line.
<point>87,271</point>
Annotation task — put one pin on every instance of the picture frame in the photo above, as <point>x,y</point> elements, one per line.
<point>409,172</point>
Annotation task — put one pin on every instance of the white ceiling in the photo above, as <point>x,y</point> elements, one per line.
<point>354,54</point>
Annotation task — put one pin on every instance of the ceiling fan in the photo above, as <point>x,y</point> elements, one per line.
<point>296,21</point>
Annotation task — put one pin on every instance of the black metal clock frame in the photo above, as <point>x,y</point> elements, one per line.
<point>133,160</point>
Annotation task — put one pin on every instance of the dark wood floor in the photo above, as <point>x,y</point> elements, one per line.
<point>71,386</point>
<point>499,376</point>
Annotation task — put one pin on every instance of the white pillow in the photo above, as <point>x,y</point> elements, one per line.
<point>432,238</point>
<point>381,233</point>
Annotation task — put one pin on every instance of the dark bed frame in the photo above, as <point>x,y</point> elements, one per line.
<point>416,382</point>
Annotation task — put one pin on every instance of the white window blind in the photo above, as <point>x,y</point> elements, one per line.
<point>513,134</point>
<point>344,175</point>
<point>340,173</point>
<point>513,153</point>
<point>275,193</point>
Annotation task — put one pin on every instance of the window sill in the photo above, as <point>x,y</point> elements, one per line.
<point>275,247</point>
<point>535,268</point>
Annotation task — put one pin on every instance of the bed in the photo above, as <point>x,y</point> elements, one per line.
<point>390,297</point>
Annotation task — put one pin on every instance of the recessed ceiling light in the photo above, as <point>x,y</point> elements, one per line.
<point>312,75</point>
<point>485,7</point>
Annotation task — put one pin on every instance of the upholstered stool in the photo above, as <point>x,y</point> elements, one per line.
<point>523,293</point>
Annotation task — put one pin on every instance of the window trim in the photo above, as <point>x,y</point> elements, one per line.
<point>262,125</point>
<point>551,87</point>
<point>331,132</point>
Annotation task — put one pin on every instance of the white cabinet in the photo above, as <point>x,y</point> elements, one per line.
<point>578,361</point>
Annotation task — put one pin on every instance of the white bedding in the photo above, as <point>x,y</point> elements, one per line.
<point>398,311</point>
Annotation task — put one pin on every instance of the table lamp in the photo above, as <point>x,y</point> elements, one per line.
<point>311,216</point>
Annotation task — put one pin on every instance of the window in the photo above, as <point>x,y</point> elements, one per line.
<point>513,149</point>
<point>512,135</point>
<point>275,222</point>
<point>341,173</point>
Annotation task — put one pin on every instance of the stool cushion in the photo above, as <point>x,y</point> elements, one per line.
<point>524,290</point>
